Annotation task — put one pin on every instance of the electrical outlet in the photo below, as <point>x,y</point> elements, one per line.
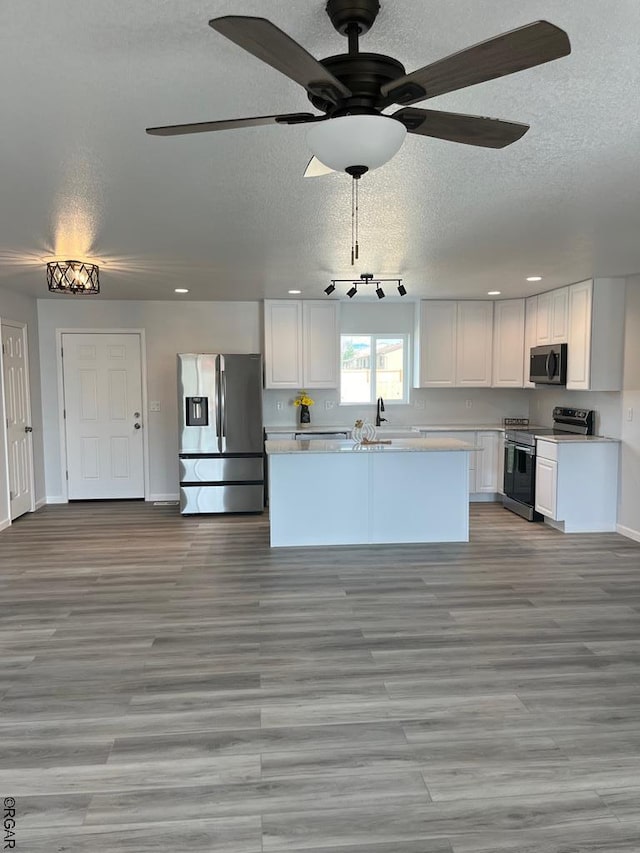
<point>419,404</point>
<point>468,403</point>
<point>328,404</point>
<point>629,414</point>
<point>279,405</point>
<point>154,405</point>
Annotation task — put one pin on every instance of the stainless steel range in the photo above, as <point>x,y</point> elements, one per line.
<point>520,456</point>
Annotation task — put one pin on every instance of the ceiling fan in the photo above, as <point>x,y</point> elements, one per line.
<point>352,89</point>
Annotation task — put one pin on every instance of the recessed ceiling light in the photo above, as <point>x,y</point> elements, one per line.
<point>534,278</point>
<point>295,291</point>
<point>493,293</point>
<point>181,290</point>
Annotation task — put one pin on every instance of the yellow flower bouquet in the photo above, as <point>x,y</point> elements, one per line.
<point>303,401</point>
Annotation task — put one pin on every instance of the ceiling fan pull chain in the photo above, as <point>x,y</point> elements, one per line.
<point>356,182</point>
<point>353,215</point>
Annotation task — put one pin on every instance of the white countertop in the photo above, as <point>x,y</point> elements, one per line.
<point>324,428</point>
<point>397,445</point>
<point>576,439</point>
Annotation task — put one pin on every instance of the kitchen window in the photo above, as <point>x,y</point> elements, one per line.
<point>373,366</point>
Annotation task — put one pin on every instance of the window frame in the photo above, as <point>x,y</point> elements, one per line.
<point>405,337</point>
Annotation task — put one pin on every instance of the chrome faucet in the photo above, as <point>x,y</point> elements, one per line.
<point>379,408</point>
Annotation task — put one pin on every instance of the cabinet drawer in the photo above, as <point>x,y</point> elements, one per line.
<point>546,449</point>
<point>208,470</point>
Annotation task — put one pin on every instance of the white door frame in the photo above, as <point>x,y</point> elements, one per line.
<point>61,419</point>
<point>4,321</point>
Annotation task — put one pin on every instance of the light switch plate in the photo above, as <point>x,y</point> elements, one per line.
<point>154,405</point>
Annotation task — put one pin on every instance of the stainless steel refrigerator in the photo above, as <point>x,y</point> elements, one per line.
<point>221,447</point>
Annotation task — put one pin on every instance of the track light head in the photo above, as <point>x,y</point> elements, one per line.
<point>352,292</point>
<point>329,290</point>
<point>379,292</point>
<point>402,290</point>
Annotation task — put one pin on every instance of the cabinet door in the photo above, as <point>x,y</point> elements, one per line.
<point>579,337</point>
<point>530,336</point>
<point>437,344</point>
<point>487,464</point>
<point>283,343</point>
<point>320,344</point>
<point>474,344</point>
<point>543,320</point>
<point>508,343</point>
<point>546,486</point>
<point>559,315</point>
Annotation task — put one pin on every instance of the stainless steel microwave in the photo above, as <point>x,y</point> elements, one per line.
<point>548,365</point>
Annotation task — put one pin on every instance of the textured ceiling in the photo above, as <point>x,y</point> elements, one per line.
<point>229,216</point>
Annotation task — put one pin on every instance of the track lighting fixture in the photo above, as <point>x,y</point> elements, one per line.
<point>366,278</point>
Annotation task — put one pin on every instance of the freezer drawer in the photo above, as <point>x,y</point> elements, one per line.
<point>212,469</point>
<point>201,499</point>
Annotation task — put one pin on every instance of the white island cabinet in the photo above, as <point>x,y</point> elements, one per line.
<point>340,493</point>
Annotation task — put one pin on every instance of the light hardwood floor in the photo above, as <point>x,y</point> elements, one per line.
<point>173,684</point>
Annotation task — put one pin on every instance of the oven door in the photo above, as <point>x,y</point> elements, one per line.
<point>520,472</point>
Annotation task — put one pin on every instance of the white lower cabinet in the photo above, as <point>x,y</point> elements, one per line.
<point>577,484</point>
<point>485,464</point>
<point>546,487</point>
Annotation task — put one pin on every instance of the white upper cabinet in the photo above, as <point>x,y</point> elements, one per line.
<point>559,315</point>
<point>320,344</point>
<point>436,341</point>
<point>474,344</point>
<point>530,336</point>
<point>543,319</point>
<point>508,343</point>
<point>454,343</point>
<point>301,343</point>
<point>596,335</point>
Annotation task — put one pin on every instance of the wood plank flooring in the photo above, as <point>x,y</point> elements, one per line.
<point>173,683</point>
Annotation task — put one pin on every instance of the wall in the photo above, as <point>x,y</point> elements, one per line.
<point>480,406</point>
<point>22,309</point>
<point>170,328</point>
<point>629,506</point>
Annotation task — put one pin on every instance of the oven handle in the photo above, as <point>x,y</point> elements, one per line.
<point>530,451</point>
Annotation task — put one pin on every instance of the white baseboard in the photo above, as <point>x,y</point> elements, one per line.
<point>56,499</point>
<point>6,522</point>
<point>484,497</point>
<point>172,497</point>
<point>40,503</point>
<point>629,532</point>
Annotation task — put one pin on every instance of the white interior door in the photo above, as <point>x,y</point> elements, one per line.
<point>18,413</point>
<point>102,378</point>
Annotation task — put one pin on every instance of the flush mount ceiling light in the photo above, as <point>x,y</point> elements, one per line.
<point>295,291</point>
<point>356,142</point>
<point>493,293</point>
<point>181,290</point>
<point>366,278</point>
<point>534,278</point>
<point>76,277</point>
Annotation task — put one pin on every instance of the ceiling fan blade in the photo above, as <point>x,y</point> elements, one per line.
<point>270,44</point>
<point>316,169</point>
<point>455,127</point>
<point>514,51</point>
<point>231,124</point>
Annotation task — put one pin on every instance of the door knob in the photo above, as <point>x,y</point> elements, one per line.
<point>137,426</point>
<point>28,429</point>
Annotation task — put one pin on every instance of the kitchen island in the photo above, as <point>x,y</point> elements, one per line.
<point>342,493</point>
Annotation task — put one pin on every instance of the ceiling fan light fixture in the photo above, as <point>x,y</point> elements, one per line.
<point>356,140</point>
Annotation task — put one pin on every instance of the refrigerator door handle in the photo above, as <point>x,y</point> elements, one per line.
<point>223,391</point>
<point>219,404</point>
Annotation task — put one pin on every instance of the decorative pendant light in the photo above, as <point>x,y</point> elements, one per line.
<point>75,277</point>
